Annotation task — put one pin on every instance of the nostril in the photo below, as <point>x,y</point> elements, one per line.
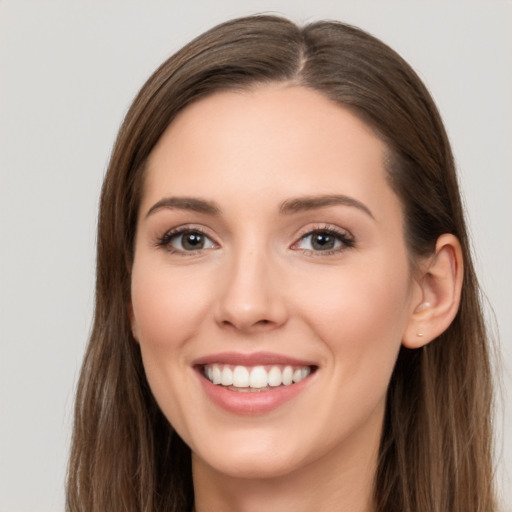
<point>262,324</point>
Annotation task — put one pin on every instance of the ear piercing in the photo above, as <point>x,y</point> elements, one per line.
<point>421,307</point>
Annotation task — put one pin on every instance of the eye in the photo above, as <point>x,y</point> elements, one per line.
<point>186,240</point>
<point>324,240</point>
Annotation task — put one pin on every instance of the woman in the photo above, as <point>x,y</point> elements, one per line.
<point>286,311</point>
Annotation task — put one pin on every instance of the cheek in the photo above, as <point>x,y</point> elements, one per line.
<point>361,316</point>
<point>360,321</point>
<point>167,306</point>
<point>365,298</point>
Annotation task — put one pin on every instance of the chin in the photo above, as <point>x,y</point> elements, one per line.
<point>258,454</point>
<point>259,466</point>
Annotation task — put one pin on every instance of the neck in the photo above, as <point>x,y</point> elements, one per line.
<point>341,480</point>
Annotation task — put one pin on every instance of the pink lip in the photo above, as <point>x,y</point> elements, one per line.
<point>254,359</point>
<point>251,403</point>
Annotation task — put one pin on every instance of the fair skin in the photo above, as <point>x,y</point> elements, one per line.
<point>268,235</point>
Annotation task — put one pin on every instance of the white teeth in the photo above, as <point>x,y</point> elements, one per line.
<point>287,375</point>
<point>256,377</point>
<point>241,377</point>
<point>216,374</point>
<point>300,374</point>
<point>226,377</point>
<point>274,377</point>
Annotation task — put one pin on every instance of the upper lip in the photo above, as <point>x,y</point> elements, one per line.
<point>253,359</point>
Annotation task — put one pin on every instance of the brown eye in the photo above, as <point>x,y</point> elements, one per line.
<point>320,240</point>
<point>323,241</point>
<point>190,240</point>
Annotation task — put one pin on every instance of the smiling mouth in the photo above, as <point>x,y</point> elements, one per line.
<point>255,378</point>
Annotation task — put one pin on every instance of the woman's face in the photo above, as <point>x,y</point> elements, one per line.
<point>270,250</point>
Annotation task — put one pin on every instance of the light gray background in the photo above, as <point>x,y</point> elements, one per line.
<point>68,73</point>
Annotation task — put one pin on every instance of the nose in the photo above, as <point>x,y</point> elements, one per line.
<point>251,297</point>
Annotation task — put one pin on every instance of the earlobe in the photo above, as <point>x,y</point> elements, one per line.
<point>440,286</point>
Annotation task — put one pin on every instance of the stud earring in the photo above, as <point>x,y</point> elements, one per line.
<point>420,334</point>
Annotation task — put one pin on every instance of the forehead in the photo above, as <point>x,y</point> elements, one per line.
<point>269,141</point>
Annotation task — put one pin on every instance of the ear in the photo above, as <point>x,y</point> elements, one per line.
<point>440,285</point>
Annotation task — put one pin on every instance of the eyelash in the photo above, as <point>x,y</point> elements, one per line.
<point>347,241</point>
<point>165,240</point>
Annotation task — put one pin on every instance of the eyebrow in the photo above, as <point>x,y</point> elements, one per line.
<point>289,206</point>
<point>185,203</point>
<point>313,202</point>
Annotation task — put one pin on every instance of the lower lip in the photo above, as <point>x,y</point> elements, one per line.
<point>258,402</point>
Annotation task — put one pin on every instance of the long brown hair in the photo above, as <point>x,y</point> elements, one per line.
<point>435,453</point>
